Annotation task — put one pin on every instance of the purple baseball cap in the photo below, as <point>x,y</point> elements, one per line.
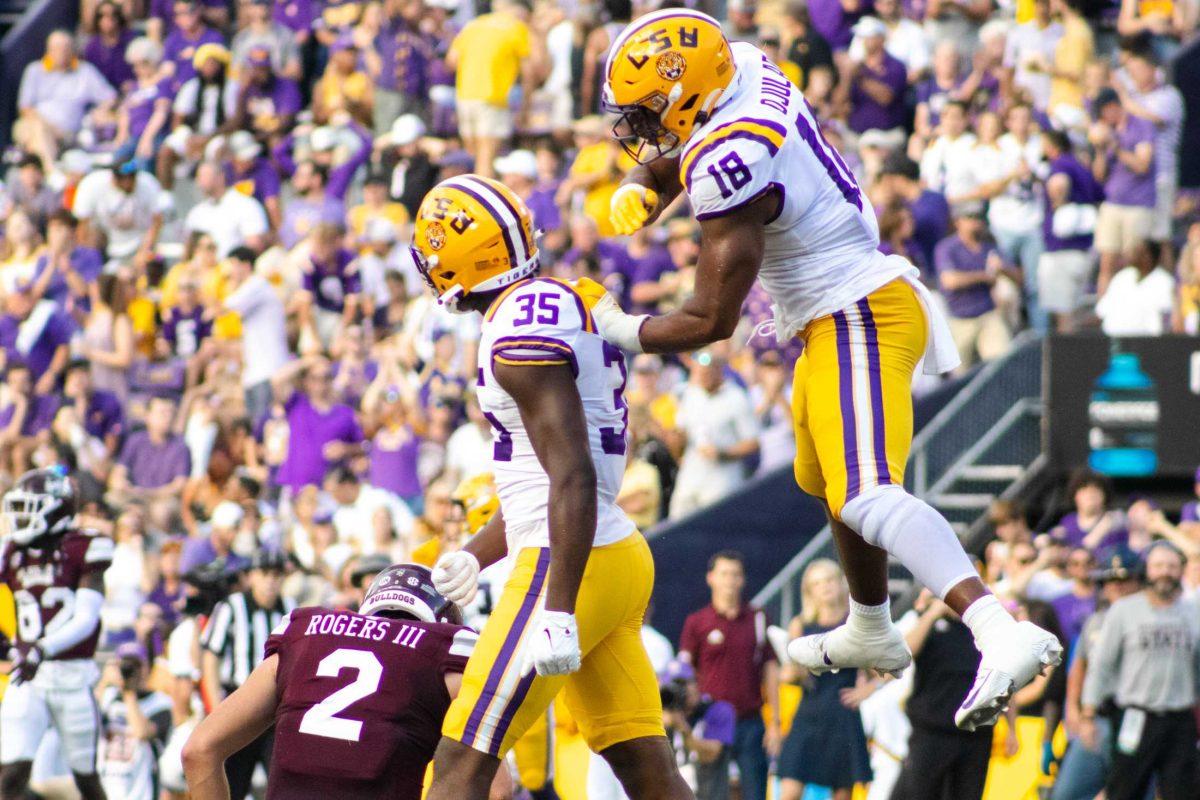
<point>676,670</point>
<point>132,650</point>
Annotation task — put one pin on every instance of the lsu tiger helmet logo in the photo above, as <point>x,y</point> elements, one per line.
<point>478,499</point>
<point>472,234</point>
<point>665,73</point>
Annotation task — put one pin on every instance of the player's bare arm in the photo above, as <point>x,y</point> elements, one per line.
<point>553,415</point>
<point>489,545</point>
<point>232,725</point>
<point>730,255</point>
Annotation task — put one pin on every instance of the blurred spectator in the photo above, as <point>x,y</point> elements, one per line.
<point>143,113</point>
<point>65,269</point>
<point>20,249</point>
<point>1074,607</point>
<point>720,430</point>
<point>411,173</point>
<point>1029,55</point>
<point>1151,98</point>
<point>55,94</point>
<point>489,54</point>
<point>120,211</point>
<point>726,644</point>
<point>105,49</point>
<point>258,30</point>
<point>31,193</point>
<point>189,33</point>
<point>1068,218</point>
<point>1124,161</point>
<point>344,87</point>
<point>701,731</point>
<point>1147,661</point>
<point>1167,24</point>
<point>36,334</point>
<point>253,175</point>
<point>227,215</point>
<point>826,745</point>
<point>203,107</point>
<point>363,509</point>
<point>267,102</point>
<point>946,163</point>
<point>968,269</point>
<point>901,178</point>
<point>1140,297</point>
<point>1073,51</point>
<point>108,335</point>
<point>1082,771</point>
<point>1092,524</point>
<point>878,81</point>
<point>905,40</point>
<point>321,432</point>
<point>153,466</point>
<point>942,761</point>
<point>135,724</point>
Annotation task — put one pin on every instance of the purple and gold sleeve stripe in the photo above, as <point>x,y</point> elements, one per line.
<point>766,132</point>
<point>536,351</point>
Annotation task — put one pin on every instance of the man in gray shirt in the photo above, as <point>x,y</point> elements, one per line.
<point>1148,662</point>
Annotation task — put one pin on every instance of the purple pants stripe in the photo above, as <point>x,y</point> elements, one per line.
<point>846,400</point>
<point>878,429</point>
<point>508,649</point>
<point>510,711</point>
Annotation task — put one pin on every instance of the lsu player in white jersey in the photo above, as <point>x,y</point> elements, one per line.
<point>775,202</point>
<point>569,617</point>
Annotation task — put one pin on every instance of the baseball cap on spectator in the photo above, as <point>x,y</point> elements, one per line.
<point>258,57</point>
<point>366,565</point>
<point>1118,563</point>
<point>676,670</point>
<point>406,129</point>
<point>869,26</point>
<point>243,145</point>
<point>322,138</point>
<point>457,159</point>
<point>379,231</point>
<point>269,559</point>
<point>518,162</point>
<point>883,140</point>
<point>901,165</point>
<point>227,514</point>
<point>211,50</point>
<point>75,161</point>
<point>126,167</point>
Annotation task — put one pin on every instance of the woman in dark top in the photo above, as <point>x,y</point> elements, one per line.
<point>826,744</point>
<point>1046,696</point>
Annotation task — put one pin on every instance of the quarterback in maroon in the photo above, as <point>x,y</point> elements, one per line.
<point>357,699</point>
<point>56,574</point>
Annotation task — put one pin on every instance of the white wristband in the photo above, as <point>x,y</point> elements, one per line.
<point>623,332</point>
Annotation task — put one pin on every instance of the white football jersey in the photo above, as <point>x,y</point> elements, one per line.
<point>544,321</point>
<point>821,249</point>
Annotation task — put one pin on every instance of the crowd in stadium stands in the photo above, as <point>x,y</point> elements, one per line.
<point>211,314</point>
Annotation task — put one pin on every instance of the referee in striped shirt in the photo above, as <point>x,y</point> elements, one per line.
<point>232,645</point>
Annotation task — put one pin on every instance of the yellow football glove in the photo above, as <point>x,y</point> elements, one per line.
<point>631,206</point>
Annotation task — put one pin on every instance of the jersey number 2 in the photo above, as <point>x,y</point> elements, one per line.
<point>322,719</point>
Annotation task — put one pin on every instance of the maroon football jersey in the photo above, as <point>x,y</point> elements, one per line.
<point>43,583</point>
<point>361,702</point>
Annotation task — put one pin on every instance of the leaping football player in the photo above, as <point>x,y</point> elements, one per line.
<point>56,573</point>
<point>570,614</point>
<point>775,202</point>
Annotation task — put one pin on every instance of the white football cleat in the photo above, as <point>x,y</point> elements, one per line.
<point>844,647</point>
<point>1008,665</point>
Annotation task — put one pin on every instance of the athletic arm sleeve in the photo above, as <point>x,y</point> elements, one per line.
<point>83,622</point>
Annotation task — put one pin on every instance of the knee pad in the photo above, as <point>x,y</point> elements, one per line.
<point>880,513</point>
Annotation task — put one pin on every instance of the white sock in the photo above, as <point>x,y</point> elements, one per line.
<point>912,531</point>
<point>870,619</point>
<point>985,617</point>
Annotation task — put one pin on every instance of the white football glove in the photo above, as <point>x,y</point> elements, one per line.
<point>553,645</point>
<point>456,577</point>
<point>630,207</point>
<point>616,326</point>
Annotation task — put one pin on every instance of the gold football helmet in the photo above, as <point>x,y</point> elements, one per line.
<point>665,73</point>
<point>478,498</point>
<point>473,234</point>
